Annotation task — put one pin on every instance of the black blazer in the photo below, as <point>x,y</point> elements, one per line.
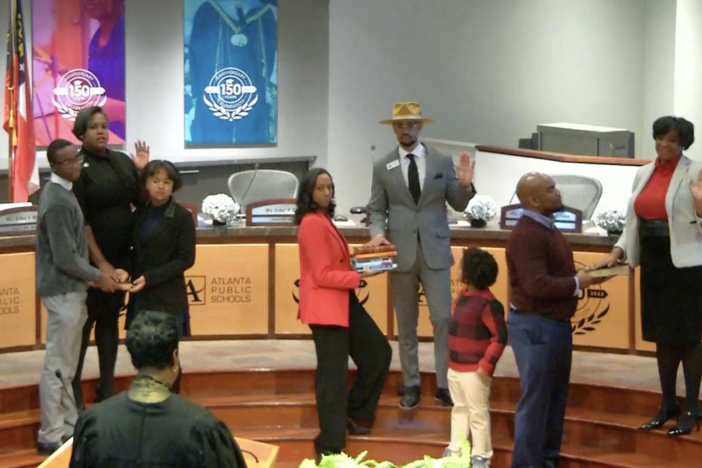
<point>162,259</point>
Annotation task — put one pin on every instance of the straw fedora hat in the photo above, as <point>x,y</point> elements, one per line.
<point>404,111</point>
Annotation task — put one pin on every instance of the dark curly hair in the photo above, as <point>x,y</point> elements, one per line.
<point>151,339</point>
<point>686,130</point>
<point>305,203</point>
<point>478,268</point>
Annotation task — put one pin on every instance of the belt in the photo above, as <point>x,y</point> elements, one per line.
<point>654,228</point>
<point>526,313</point>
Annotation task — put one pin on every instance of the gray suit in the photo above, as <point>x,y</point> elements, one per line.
<point>421,234</point>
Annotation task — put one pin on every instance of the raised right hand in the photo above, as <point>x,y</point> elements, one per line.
<point>377,240</point>
<point>609,261</point>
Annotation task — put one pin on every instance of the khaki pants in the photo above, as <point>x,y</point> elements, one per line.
<point>67,314</point>
<point>470,415</point>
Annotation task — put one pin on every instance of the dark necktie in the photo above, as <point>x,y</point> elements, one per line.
<point>413,178</point>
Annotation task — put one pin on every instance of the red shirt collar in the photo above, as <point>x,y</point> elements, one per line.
<point>487,294</point>
<point>668,165</point>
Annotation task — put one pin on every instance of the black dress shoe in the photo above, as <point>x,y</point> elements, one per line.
<point>355,429</point>
<point>663,415</point>
<point>411,397</point>
<point>685,423</point>
<point>443,397</point>
<point>46,449</point>
<point>318,458</point>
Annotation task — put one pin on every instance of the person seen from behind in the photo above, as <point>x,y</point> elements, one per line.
<point>477,338</point>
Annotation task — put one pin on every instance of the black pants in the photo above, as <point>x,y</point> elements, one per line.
<point>103,313</point>
<point>371,353</point>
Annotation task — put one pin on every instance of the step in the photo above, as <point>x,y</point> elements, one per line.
<point>242,412</point>
<point>403,446</point>
<point>301,381</point>
<point>21,459</point>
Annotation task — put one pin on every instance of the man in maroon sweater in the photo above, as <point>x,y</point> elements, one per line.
<point>544,297</point>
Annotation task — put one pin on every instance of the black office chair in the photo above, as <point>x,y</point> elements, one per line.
<point>364,210</point>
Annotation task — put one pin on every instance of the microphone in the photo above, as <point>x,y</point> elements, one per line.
<point>59,375</point>
<point>253,177</point>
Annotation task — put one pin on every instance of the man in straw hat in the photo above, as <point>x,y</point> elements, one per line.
<point>410,188</point>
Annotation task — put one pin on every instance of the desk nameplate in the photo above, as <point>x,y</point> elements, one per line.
<point>567,219</point>
<point>275,212</point>
<point>19,220</point>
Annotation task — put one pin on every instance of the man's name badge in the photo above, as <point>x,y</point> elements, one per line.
<point>392,165</point>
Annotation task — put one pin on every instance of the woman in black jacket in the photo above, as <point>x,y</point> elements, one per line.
<point>163,248</point>
<point>106,191</point>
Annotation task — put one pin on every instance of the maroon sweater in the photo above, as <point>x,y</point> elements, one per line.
<point>541,270</point>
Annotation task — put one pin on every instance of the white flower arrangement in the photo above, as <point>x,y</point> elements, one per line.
<point>481,207</point>
<point>220,208</point>
<point>611,220</point>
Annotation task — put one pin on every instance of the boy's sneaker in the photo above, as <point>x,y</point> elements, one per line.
<point>450,453</point>
<point>480,462</point>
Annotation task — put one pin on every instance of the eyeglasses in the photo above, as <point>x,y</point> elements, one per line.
<point>406,125</point>
<point>69,162</point>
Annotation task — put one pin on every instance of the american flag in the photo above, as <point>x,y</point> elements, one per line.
<point>18,120</point>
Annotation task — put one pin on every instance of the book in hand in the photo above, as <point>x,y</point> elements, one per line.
<point>376,264</point>
<point>620,269</point>
<point>378,250</point>
<point>371,259</point>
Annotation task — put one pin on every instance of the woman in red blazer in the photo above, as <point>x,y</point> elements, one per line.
<point>340,325</point>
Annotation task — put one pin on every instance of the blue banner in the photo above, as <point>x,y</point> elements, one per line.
<point>231,72</point>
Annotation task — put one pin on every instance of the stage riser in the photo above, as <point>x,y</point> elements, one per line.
<point>504,389</point>
<point>278,407</point>
<point>432,420</point>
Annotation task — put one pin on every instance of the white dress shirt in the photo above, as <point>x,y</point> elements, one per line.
<point>57,179</point>
<point>420,157</point>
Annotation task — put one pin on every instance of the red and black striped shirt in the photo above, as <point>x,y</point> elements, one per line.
<point>478,333</point>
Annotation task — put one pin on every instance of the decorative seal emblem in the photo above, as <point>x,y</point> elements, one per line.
<point>230,95</point>
<point>592,307</point>
<point>76,90</point>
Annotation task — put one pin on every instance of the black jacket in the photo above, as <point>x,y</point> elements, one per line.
<point>162,257</point>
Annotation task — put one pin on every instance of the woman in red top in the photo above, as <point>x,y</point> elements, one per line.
<point>663,234</point>
<point>340,325</point>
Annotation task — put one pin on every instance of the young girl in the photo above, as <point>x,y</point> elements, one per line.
<point>477,338</point>
<point>163,241</point>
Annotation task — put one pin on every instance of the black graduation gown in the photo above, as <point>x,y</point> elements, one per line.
<point>122,433</point>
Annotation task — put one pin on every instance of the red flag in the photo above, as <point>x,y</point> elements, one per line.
<point>8,115</point>
<point>18,118</point>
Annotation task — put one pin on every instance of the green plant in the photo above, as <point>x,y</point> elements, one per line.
<point>342,460</point>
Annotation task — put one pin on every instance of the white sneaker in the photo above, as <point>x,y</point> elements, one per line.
<point>480,462</point>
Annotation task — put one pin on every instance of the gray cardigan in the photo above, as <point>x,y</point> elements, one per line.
<point>62,260</point>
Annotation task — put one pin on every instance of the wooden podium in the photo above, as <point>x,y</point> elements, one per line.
<point>266,454</point>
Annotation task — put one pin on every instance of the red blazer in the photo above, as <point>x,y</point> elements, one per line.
<point>326,276</point>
